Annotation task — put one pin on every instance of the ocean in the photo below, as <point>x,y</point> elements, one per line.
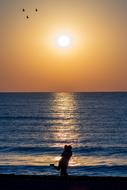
<point>34,127</point>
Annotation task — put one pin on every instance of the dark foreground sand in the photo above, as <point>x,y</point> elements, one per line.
<point>24,182</point>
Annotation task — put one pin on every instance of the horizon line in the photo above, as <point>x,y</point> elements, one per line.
<point>113,91</point>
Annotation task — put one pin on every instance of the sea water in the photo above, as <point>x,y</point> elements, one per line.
<point>34,127</point>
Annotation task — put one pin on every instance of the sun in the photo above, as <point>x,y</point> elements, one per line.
<point>64,41</point>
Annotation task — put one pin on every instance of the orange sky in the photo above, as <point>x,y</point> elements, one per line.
<point>31,61</point>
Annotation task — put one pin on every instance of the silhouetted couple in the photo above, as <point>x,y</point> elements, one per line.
<point>63,162</point>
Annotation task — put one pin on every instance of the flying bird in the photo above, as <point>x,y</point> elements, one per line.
<point>27,16</point>
<point>23,10</point>
<point>36,10</point>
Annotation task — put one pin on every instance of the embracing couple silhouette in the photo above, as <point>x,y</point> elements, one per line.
<point>63,162</point>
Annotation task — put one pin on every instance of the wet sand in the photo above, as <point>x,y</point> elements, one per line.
<point>25,182</point>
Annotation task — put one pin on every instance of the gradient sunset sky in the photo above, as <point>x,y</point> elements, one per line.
<point>31,59</point>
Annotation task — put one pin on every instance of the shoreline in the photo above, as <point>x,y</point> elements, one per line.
<point>25,182</point>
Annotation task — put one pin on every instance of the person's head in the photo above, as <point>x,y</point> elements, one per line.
<point>69,147</point>
<point>65,147</point>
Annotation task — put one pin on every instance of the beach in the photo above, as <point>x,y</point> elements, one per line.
<point>42,124</point>
<point>25,182</point>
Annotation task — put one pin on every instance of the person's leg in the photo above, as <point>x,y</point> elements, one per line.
<point>63,171</point>
<point>57,167</point>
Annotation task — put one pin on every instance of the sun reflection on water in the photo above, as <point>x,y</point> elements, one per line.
<point>45,160</point>
<point>66,129</point>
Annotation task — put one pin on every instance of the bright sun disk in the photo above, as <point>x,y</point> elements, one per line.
<point>64,41</point>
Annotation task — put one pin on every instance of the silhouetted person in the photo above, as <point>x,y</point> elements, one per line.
<point>63,162</point>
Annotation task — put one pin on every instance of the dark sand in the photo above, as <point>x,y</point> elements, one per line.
<point>24,182</point>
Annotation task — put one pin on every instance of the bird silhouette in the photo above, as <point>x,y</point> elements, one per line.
<point>27,16</point>
<point>23,10</point>
<point>36,10</point>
